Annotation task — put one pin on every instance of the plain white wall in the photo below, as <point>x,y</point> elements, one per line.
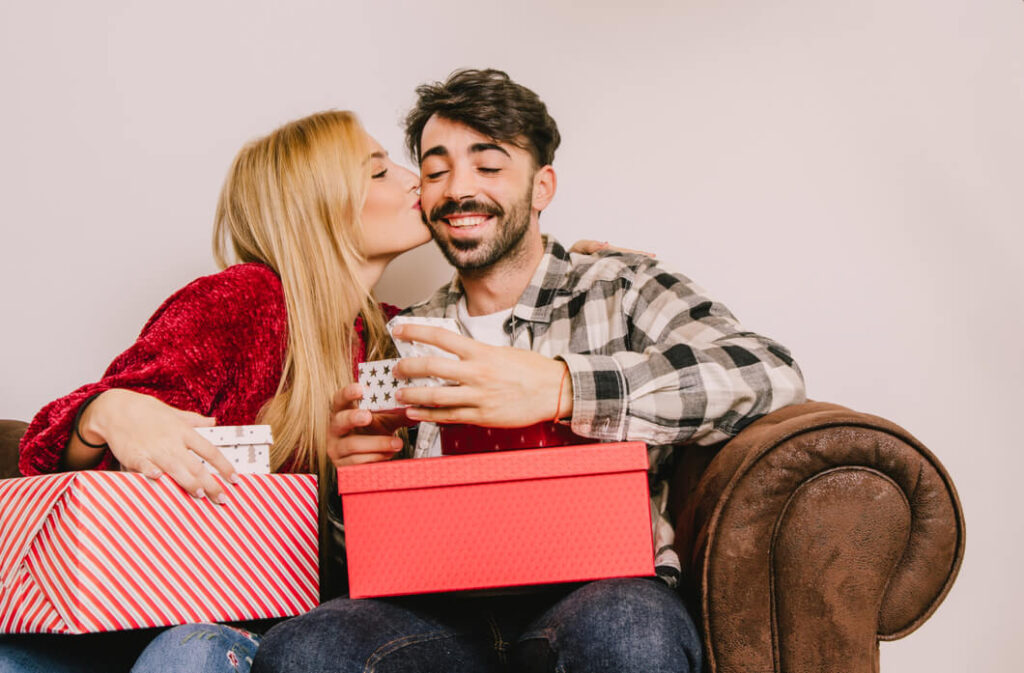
<point>846,175</point>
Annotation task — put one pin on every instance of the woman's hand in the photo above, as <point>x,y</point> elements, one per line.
<point>500,387</point>
<point>588,247</point>
<point>148,436</point>
<point>359,435</point>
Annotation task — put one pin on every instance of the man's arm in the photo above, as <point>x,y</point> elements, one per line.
<point>692,374</point>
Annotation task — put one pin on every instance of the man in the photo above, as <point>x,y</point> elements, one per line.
<point>611,344</point>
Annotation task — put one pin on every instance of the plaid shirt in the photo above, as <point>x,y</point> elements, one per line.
<point>652,359</point>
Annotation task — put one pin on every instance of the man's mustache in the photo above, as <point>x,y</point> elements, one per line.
<point>451,207</point>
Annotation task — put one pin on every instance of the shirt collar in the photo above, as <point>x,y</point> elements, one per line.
<point>535,304</point>
<point>537,301</point>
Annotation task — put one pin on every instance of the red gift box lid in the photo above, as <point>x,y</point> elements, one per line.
<point>493,467</point>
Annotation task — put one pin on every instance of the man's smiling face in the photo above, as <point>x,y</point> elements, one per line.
<point>476,193</point>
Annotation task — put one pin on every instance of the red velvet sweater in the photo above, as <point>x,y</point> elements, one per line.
<point>215,347</point>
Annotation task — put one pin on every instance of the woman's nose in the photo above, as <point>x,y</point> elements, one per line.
<point>412,180</point>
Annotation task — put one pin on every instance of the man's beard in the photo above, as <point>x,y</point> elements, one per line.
<point>474,255</point>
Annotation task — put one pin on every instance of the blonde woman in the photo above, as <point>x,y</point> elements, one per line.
<point>308,218</point>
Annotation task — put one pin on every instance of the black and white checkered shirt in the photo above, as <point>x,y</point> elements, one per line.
<point>652,359</point>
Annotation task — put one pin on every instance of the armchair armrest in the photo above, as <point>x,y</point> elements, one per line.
<point>10,435</point>
<point>812,535</point>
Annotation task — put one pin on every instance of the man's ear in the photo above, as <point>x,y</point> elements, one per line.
<point>545,182</point>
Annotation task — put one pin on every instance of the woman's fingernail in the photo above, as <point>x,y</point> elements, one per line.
<point>221,499</point>
<point>396,444</point>
<point>154,474</point>
<point>234,478</point>
<point>200,493</point>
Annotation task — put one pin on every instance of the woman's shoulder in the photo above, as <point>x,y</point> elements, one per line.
<point>239,280</point>
<point>241,289</point>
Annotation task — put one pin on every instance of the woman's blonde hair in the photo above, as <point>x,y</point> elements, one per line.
<point>292,200</point>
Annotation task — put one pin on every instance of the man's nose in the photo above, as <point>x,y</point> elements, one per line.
<point>460,185</point>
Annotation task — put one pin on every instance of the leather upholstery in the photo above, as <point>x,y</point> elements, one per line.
<point>814,533</point>
<point>10,435</point>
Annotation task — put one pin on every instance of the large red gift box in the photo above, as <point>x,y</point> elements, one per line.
<point>105,551</point>
<point>502,519</point>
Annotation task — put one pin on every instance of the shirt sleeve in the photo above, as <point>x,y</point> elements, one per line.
<point>690,374</point>
<point>189,354</point>
<point>390,310</point>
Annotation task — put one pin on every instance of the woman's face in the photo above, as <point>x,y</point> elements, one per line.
<point>391,215</point>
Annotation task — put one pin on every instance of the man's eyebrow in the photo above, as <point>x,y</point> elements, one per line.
<point>435,151</point>
<point>483,147</point>
<point>475,148</point>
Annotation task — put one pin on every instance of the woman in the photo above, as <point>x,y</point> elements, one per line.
<point>313,212</point>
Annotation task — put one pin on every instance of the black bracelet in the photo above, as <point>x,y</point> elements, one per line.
<point>89,400</point>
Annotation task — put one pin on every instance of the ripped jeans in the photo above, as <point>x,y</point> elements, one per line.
<point>621,625</point>
<point>181,649</point>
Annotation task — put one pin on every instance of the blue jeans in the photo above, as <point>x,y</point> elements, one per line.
<point>621,625</point>
<point>181,649</point>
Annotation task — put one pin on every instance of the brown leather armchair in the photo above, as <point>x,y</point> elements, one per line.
<point>10,433</point>
<point>812,535</point>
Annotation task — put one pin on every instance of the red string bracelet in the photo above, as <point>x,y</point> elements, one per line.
<point>561,386</point>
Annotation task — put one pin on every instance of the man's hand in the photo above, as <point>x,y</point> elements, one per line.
<point>358,435</point>
<point>496,386</point>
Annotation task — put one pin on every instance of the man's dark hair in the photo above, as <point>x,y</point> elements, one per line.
<point>489,102</point>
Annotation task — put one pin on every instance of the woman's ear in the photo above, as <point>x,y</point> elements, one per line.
<point>545,182</point>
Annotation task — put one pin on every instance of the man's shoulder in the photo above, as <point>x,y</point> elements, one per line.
<point>628,281</point>
<point>605,266</point>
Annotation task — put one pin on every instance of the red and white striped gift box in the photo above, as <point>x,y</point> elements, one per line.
<point>83,552</point>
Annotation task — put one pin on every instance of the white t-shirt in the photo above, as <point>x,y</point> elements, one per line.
<point>488,329</point>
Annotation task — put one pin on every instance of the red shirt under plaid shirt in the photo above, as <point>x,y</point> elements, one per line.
<point>652,359</point>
